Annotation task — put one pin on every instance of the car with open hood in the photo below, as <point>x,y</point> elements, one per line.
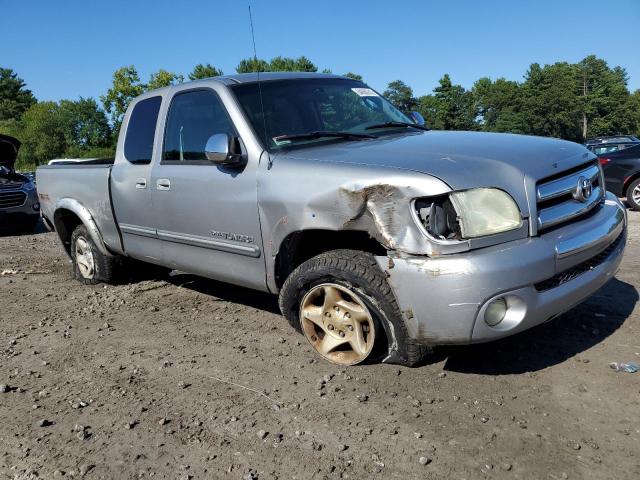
<point>19,204</point>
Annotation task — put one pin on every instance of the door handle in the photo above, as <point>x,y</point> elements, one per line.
<point>163,184</point>
<point>141,183</point>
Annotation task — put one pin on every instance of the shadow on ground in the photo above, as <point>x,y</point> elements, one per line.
<point>17,230</point>
<point>225,291</point>
<point>554,342</point>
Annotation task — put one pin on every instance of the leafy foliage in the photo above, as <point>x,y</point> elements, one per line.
<point>401,95</point>
<point>125,87</point>
<point>15,99</point>
<point>163,78</point>
<point>277,64</point>
<point>204,71</point>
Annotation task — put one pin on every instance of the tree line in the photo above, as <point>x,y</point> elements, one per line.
<point>573,101</point>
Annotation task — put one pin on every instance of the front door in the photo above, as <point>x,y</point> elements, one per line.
<point>207,214</point>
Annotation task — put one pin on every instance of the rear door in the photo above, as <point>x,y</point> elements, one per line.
<point>131,181</point>
<point>207,214</point>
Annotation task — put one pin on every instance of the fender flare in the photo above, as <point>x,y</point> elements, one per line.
<point>85,217</point>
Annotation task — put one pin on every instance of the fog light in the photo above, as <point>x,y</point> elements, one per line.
<point>495,312</point>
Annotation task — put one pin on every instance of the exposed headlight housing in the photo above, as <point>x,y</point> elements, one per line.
<point>469,214</point>
<point>485,211</point>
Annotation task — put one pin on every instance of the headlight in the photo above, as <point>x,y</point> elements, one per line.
<point>29,186</point>
<point>485,211</point>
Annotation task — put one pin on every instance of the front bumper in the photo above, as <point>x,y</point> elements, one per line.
<point>443,299</point>
<point>29,208</point>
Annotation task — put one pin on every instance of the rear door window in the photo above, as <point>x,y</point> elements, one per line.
<point>138,144</point>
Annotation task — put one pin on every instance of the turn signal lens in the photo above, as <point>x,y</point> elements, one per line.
<point>604,161</point>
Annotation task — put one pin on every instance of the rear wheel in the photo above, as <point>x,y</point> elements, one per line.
<point>633,194</point>
<point>90,266</point>
<point>343,305</point>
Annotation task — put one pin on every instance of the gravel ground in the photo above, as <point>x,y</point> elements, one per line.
<point>180,377</point>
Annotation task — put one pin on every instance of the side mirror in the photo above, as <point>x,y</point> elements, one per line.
<point>417,118</point>
<point>220,150</point>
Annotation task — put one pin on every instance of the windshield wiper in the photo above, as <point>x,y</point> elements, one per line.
<point>322,134</point>
<point>396,124</point>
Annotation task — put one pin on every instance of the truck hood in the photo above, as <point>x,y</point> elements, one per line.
<point>462,160</point>
<point>9,147</point>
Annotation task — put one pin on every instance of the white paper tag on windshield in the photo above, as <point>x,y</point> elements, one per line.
<point>365,92</point>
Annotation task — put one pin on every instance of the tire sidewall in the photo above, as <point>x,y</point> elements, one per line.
<point>630,200</point>
<point>81,231</point>
<point>306,280</point>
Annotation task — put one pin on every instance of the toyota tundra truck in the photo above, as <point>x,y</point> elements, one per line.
<point>381,238</point>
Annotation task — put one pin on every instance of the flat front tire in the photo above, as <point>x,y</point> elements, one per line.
<point>343,305</point>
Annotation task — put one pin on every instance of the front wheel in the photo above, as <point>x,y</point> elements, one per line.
<point>633,194</point>
<point>343,305</point>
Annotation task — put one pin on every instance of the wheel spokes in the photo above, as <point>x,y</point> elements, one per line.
<point>331,297</point>
<point>329,343</point>
<point>313,313</point>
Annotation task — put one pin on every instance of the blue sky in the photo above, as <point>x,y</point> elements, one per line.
<point>70,48</point>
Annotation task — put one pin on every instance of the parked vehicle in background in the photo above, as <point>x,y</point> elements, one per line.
<point>622,173</point>
<point>382,239</point>
<point>604,145</point>
<point>19,205</point>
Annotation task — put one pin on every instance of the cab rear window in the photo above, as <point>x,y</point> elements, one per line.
<point>138,144</point>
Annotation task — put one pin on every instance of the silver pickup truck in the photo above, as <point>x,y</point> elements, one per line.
<point>381,238</point>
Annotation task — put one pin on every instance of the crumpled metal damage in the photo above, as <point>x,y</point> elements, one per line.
<point>378,203</point>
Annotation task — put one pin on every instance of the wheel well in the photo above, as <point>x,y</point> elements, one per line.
<point>66,222</point>
<point>628,182</point>
<point>300,246</point>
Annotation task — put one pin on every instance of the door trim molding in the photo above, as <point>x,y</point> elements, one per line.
<point>137,230</point>
<point>213,244</point>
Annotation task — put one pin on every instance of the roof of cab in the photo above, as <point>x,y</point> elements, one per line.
<point>240,78</point>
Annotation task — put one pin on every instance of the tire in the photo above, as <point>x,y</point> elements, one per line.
<point>90,266</point>
<point>633,194</point>
<point>356,274</point>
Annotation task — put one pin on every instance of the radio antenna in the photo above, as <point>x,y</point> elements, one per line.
<point>255,63</point>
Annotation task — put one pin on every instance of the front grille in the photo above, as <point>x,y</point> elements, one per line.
<point>576,271</point>
<point>12,199</point>
<point>558,199</point>
<point>10,184</point>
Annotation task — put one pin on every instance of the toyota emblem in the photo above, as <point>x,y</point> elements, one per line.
<point>583,190</point>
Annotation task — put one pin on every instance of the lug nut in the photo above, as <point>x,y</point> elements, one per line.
<point>350,327</point>
<point>327,314</point>
<point>347,315</point>
<point>341,333</point>
<point>313,338</point>
<point>336,308</point>
<point>330,327</point>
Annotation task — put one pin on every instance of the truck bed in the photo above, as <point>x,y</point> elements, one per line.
<point>86,183</point>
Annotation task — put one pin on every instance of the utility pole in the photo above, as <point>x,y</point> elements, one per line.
<point>585,91</point>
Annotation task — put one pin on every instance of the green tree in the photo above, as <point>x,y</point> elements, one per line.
<point>85,127</point>
<point>401,95</point>
<point>499,105</point>
<point>551,106</point>
<point>125,87</point>
<point>15,99</point>
<point>42,135</point>
<point>607,103</point>
<point>249,65</point>
<point>451,107</point>
<point>204,71</point>
<point>163,78</point>
<point>354,76</point>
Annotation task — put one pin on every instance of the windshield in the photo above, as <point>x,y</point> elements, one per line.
<point>320,105</point>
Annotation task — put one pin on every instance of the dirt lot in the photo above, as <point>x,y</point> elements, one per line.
<point>178,377</point>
